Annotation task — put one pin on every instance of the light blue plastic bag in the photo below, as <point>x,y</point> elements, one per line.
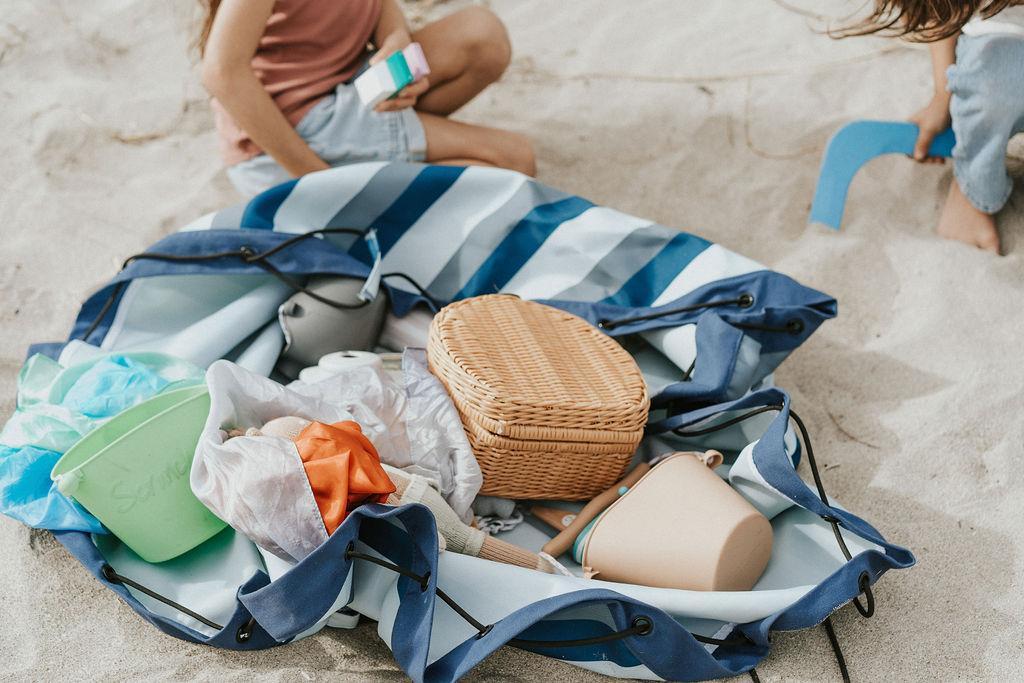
<point>56,407</point>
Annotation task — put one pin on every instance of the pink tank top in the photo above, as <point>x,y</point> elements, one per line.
<point>307,49</point>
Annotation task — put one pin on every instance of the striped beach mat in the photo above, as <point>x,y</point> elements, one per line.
<point>707,326</point>
<point>446,233</point>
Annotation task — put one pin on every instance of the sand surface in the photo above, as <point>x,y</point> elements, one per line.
<point>694,114</point>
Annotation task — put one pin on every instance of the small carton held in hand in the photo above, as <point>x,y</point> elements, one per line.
<point>385,79</point>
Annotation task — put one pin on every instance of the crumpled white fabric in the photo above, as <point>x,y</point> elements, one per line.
<point>438,447</point>
<point>257,484</point>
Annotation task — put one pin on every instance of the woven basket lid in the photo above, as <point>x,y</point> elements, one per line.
<point>524,370</point>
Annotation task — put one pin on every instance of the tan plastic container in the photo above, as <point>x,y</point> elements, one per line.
<point>681,527</point>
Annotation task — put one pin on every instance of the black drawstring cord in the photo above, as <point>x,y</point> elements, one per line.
<point>746,300</point>
<point>113,577</point>
<point>864,581</point>
<point>805,437</point>
<point>743,301</point>
<point>245,253</point>
<point>103,311</point>
<point>248,255</point>
<point>834,642</point>
<point>688,375</point>
<point>794,327</point>
<point>434,303</point>
<point>640,626</point>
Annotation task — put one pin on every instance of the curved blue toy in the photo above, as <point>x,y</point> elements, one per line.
<point>854,145</point>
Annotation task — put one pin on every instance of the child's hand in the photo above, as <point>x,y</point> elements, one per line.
<point>396,41</point>
<point>931,121</point>
<point>406,97</point>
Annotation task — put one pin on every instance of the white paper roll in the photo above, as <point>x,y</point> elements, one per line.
<point>315,374</point>
<point>346,360</point>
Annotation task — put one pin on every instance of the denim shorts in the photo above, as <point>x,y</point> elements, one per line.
<point>341,130</point>
<point>987,107</point>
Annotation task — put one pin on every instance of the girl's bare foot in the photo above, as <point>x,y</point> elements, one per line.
<point>961,221</point>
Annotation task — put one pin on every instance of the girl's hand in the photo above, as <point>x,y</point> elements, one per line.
<point>931,121</point>
<point>396,41</point>
<point>406,97</point>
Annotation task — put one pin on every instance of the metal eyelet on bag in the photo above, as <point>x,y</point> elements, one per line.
<point>642,625</point>
<point>795,326</point>
<point>746,300</point>
<point>244,632</point>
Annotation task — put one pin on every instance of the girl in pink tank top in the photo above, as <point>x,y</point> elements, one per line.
<point>280,73</point>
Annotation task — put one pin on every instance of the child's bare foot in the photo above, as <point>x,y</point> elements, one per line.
<point>961,221</point>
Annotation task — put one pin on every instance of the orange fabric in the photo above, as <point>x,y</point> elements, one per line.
<point>343,469</point>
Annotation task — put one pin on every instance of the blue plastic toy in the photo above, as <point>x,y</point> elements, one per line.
<point>854,145</point>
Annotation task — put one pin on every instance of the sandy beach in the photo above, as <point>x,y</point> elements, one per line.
<point>706,116</point>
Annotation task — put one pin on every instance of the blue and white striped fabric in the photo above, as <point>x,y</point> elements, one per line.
<point>458,233</point>
<point>461,232</point>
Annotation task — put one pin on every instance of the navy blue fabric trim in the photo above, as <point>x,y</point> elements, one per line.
<point>669,650</point>
<point>259,213</point>
<point>778,300</point>
<point>612,651</point>
<point>307,257</point>
<point>81,546</point>
<point>48,349</point>
<point>402,301</point>
<point>91,309</point>
<point>295,601</point>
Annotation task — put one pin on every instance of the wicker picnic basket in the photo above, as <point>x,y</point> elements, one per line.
<point>552,407</point>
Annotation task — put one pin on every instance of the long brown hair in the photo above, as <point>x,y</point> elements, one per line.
<point>922,21</point>
<point>209,11</point>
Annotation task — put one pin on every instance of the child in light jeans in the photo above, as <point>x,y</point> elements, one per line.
<point>977,50</point>
<point>281,71</point>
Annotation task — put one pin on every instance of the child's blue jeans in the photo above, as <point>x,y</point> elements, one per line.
<point>987,107</point>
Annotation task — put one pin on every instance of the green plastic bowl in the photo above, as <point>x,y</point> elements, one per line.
<point>132,473</point>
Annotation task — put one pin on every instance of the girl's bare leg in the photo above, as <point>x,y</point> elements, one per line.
<point>467,51</point>
<point>457,143</point>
